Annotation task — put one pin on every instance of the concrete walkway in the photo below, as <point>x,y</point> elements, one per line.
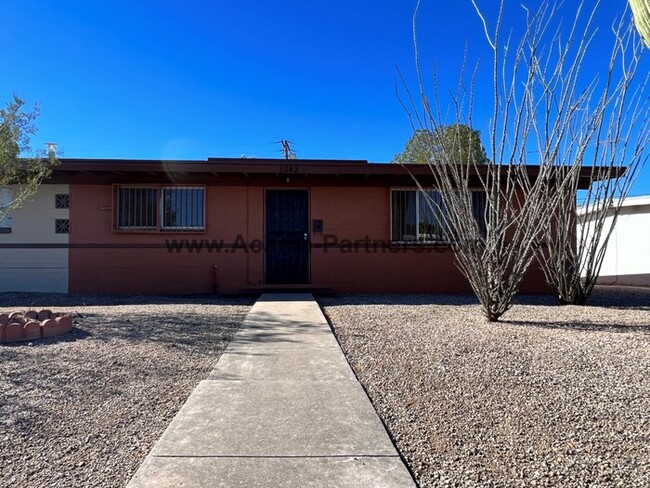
<point>282,408</point>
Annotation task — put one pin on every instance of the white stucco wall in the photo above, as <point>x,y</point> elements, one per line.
<point>627,259</point>
<point>28,259</point>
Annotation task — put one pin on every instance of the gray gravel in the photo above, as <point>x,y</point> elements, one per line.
<point>550,396</point>
<point>84,409</point>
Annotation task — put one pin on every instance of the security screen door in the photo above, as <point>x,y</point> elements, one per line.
<point>287,237</point>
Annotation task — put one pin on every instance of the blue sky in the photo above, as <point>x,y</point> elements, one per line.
<point>198,79</point>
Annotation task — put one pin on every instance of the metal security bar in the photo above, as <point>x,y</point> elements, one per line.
<point>137,208</point>
<point>404,218</point>
<point>182,208</point>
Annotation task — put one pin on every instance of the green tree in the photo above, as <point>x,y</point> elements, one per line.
<point>23,174</point>
<point>457,143</point>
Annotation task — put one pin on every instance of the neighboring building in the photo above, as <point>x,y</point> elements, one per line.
<point>627,258</point>
<point>232,226</point>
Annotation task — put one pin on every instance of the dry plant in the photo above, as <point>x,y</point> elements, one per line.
<point>541,104</point>
<point>612,140</point>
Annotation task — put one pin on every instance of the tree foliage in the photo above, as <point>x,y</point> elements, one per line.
<point>24,174</point>
<point>455,143</point>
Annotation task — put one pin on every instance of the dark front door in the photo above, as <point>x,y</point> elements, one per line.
<point>287,237</point>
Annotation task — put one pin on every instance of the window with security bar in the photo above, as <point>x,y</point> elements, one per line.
<point>419,216</point>
<point>182,208</point>
<point>137,208</point>
<point>164,209</point>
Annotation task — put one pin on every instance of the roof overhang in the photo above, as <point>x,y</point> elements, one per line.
<point>225,171</point>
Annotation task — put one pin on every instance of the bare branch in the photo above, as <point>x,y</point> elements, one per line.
<point>485,27</point>
<point>580,128</point>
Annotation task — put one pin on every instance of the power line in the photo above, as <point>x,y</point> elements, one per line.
<point>286,149</point>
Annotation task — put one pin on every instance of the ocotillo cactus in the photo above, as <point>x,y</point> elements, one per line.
<point>641,11</point>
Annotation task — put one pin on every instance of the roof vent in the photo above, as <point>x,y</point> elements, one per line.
<point>51,149</point>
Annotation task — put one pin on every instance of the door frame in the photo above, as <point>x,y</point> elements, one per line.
<point>297,188</point>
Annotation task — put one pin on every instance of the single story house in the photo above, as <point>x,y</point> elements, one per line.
<point>231,226</point>
<point>627,258</point>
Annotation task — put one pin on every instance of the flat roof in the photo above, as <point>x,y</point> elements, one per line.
<point>636,201</point>
<point>234,170</point>
<point>628,202</point>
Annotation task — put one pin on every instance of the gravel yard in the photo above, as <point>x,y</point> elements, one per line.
<point>84,409</point>
<point>550,396</point>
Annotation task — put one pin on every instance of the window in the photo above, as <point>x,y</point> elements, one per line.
<point>182,208</point>
<point>479,206</point>
<point>171,208</point>
<point>6,198</point>
<point>137,208</point>
<point>418,216</point>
